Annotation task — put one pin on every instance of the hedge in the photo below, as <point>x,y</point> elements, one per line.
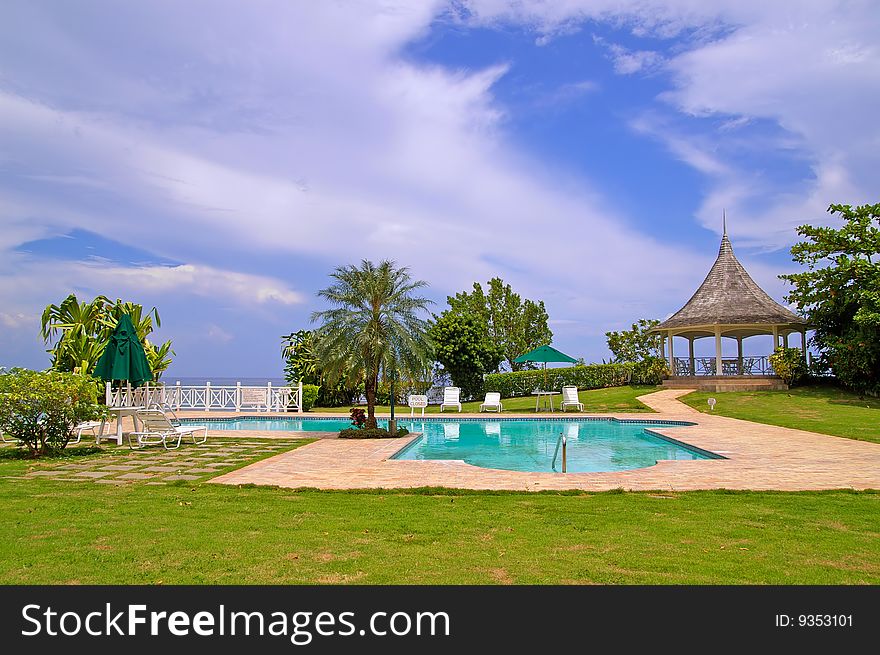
<point>591,376</point>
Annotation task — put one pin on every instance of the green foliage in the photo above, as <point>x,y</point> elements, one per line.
<point>636,344</point>
<point>789,364</point>
<point>650,370</point>
<point>593,376</point>
<point>371,433</point>
<point>41,410</point>
<point>465,351</point>
<point>840,293</point>
<point>310,395</point>
<point>84,328</point>
<point>515,325</point>
<point>373,327</point>
<point>301,363</point>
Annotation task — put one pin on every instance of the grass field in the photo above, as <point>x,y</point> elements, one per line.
<point>824,409</point>
<point>87,533</point>
<point>615,399</point>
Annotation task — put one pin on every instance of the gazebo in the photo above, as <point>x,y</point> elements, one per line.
<point>728,304</point>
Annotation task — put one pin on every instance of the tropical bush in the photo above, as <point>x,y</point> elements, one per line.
<point>651,370</point>
<point>464,349</point>
<point>83,329</point>
<point>636,344</point>
<point>358,417</point>
<point>310,395</point>
<point>41,409</point>
<point>371,433</point>
<point>592,376</point>
<point>789,364</point>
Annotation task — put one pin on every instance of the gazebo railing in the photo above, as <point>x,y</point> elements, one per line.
<point>758,365</point>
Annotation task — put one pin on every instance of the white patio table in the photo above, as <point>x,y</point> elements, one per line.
<point>544,394</point>
<point>119,413</point>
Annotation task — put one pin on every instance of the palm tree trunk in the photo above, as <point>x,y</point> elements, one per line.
<point>370,389</point>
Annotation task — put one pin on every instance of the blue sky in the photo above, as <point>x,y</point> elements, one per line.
<point>219,159</point>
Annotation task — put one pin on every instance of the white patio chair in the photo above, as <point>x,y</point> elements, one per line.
<point>493,399</point>
<point>156,428</point>
<point>88,426</point>
<point>416,402</point>
<point>451,398</point>
<point>570,398</point>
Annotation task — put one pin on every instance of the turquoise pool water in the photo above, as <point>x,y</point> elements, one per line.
<point>515,445</point>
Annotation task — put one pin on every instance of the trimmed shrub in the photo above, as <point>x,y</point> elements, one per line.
<point>310,395</point>
<point>41,410</point>
<point>371,433</point>
<point>592,376</point>
<point>789,364</point>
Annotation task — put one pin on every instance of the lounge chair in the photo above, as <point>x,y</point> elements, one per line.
<point>157,428</point>
<point>88,426</point>
<point>493,399</point>
<point>451,398</point>
<point>416,402</point>
<point>570,397</point>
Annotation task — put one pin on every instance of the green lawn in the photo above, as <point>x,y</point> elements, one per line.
<point>88,533</point>
<point>615,399</point>
<point>824,409</point>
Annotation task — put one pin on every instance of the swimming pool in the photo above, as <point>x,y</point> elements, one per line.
<point>593,444</point>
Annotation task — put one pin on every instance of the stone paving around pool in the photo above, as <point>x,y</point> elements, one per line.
<point>156,466</point>
<point>758,457</point>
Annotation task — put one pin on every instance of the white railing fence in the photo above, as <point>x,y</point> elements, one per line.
<point>208,397</point>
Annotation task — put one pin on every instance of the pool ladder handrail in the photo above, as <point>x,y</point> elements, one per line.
<point>560,441</point>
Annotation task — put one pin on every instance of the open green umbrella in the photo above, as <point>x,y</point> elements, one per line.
<point>124,358</point>
<point>544,354</point>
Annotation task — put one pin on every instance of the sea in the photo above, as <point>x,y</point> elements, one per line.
<point>222,382</point>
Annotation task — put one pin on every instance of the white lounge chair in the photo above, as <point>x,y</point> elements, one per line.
<point>88,426</point>
<point>493,399</point>
<point>570,398</point>
<point>451,398</point>
<point>416,402</point>
<point>157,428</point>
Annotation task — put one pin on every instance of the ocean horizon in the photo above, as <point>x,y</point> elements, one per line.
<point>216,381</point>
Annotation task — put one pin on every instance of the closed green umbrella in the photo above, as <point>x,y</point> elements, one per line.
<point>124,358</point>
<point>544,354</point>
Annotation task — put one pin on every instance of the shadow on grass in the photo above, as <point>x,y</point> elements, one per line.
<point>15,453</point>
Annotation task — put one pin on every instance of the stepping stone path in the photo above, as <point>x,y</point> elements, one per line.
<point>118,465</point>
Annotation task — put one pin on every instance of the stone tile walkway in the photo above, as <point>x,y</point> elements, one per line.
<point>155,465</point>
<point>760,457</point>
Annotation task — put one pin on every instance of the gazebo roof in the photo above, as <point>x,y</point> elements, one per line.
<point>729,296</point>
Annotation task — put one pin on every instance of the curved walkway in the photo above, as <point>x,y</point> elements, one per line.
<point>758,457</point>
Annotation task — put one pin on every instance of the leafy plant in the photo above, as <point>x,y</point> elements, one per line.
<point>78,332</point>
<point>650,370</point>
<point>310,395</point>
<point>840,293</point>
<point>358,417</point>
<point>789,364</point>
<point>373,327</point>
<point>41,409</point>
<point>515,325</point>
<point>465,351</point>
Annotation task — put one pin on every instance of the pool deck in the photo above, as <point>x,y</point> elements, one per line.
<point>757,457</point>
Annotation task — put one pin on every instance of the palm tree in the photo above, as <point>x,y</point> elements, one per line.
<point>373,327</point>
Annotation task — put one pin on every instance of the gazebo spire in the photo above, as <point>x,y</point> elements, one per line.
<point>724,221</point>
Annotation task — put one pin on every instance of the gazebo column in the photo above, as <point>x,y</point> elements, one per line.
<point>775,338</point>
<point>804,342</point>
<point>691,356</point>
<point>718,368</point>
<point>785,340</point>
<point>671,356</point>
<point>739,355</point>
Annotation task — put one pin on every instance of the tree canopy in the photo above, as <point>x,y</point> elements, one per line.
<point>840,293</point>
<point>464,350</point>
<point>515,325</point>
<point>637,343</point>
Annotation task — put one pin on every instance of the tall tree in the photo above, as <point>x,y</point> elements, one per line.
<point>464,349</point>
<point>374,326</point>
<point>637,343</point>
<point>515,325</point>
<point>840,293</point>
